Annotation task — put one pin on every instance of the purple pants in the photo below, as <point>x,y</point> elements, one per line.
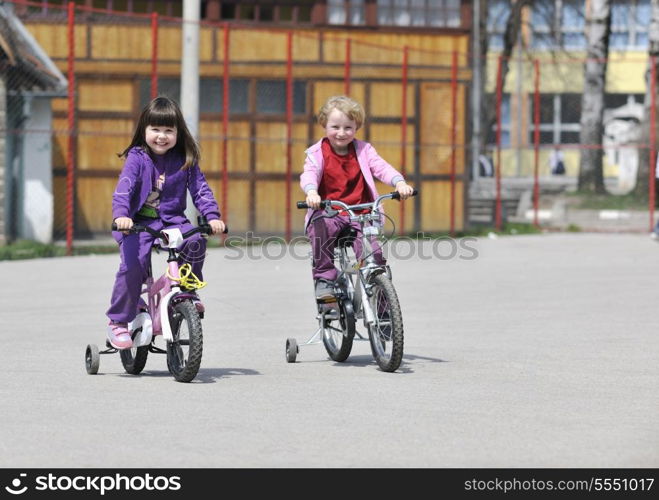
<point>322,233</point>
<point>135,253</point>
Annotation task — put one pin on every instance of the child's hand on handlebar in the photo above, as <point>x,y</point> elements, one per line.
<point>404,190</point>
<point>217,225</point>
<point>123,224</point>
<point>313,199</point>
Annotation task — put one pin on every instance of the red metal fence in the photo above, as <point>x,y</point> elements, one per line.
<point>538,119</point>
<point>255,128</point>
<point>260,89</point>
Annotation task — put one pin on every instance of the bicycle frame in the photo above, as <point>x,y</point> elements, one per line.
<point>161,291</point>
<point>358,297</point>
<point>368,267</point>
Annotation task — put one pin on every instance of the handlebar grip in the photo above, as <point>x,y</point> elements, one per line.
<point>136,228</point>
<point>323,204</point>
<point>396,196</point>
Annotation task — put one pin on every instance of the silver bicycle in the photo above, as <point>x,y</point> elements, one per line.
<point>363,291</point>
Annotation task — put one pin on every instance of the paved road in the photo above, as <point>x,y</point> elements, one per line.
<point>529,351</point>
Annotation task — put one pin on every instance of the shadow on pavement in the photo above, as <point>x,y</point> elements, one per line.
<point>205,375</point>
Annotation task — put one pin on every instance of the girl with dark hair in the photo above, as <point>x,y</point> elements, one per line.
<point>161,166</point>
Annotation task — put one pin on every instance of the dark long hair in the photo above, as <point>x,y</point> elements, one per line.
<point>164,112</point>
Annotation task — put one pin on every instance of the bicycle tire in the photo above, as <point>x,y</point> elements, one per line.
<point>92,359</point>
<point>386,334</point>
<point>134,359</point>
<point>338,341</point>
<point>186,329</point>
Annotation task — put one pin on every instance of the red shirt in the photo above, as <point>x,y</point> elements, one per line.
<point>342,178</point>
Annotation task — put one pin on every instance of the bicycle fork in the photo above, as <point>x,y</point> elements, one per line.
<point>361,299</point>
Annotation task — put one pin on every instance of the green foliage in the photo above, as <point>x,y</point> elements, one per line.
<point>509,228</point>
<point>24,249</point>
<point>593,201</point>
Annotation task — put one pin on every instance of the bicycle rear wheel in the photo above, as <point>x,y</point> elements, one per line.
<point>386,333</point>
<point>184,353</point>
<point>339,334</point>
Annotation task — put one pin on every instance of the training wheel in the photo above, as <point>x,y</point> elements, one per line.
<point>291,350</point>
<point>92,359</point>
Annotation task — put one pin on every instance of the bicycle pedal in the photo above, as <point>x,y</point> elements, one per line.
<point>326,300</point>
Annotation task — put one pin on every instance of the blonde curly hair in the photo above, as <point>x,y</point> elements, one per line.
<point>351,108</point>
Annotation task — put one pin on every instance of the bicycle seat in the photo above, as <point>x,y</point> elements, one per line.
<point>346,237</point>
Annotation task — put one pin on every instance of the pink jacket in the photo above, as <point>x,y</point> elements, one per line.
<point>371,163</point>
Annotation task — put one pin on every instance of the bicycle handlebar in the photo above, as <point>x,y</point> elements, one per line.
<point>394,195</point>
<point>203,227</point>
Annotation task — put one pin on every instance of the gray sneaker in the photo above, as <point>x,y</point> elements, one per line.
<point>325,291</point>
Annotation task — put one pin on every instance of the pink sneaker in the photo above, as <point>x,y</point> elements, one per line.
<point>119,336</point>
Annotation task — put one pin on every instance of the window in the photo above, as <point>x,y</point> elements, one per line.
<point>346,12</point>
<point>613,101</point>
<point>498,12</point>
<point>560,116</point>
<point>422,13</point>
<point>273,11</point>
<point>271,97</point>
<point>629,24</point>
<point>210,93</point>
<point>573,23</point>
<point>542,21</point>
<point>561,23</point>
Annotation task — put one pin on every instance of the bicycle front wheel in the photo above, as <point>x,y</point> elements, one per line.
<point>386,333</point>
<point>184,353</point>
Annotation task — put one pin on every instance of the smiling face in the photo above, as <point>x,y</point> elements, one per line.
<point>340,130</point>
<point>160,139</point>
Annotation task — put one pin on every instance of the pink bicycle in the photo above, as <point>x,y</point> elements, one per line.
<point>169,307</point>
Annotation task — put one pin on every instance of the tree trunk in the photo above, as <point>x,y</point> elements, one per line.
<point>642,178</point>
<point>598,29</point>
<point>511,35</point>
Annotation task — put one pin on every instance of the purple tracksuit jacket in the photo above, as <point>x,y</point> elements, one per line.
<point>136,181</point>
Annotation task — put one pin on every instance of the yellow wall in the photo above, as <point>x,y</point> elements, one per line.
<point>112,58</point>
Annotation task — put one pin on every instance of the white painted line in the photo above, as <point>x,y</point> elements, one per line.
<point>614,214</point>
<point>542,214</point>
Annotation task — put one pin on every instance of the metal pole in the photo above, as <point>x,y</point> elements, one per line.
<point>71,143</point>
<point>454,117</point>
<point>653,137</point>
<point>190,77</point>
<point>154,55</point>
<point>289,131</point>
<point>403,131</point>
<point>497,217</point>
<point>225,124</point>
<point>518,149</point>
<point>346,68</point>
<point>476,89</point>
<point>190,65</point>
<point>536,142</point>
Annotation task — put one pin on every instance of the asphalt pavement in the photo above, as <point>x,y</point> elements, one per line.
<point>520,351</point>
